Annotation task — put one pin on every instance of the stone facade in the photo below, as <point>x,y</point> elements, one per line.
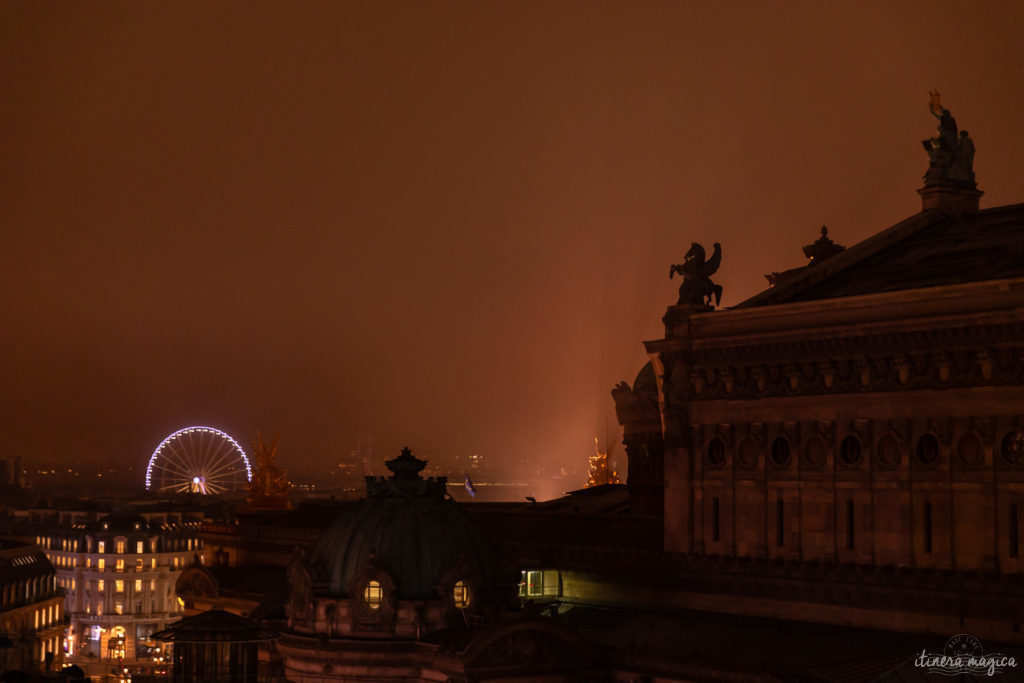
<point>864,412</point>
<point>31,609</point>
<point>118,574</point>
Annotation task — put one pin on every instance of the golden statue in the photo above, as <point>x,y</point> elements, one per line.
<point>269,484</point>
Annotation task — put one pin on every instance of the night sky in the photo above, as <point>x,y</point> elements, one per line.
<point>447,225</point>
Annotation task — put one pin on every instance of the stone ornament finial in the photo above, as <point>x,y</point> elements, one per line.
<point>822,248</point>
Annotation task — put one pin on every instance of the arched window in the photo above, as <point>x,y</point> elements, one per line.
<point>373,595</point>
<point>461,594</point>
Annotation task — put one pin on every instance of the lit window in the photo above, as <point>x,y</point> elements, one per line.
<point>372,594</point>
<point>138,547</point>
<point>100,584</point>
<point>532,583</point>
<point>152,563</point>
<point>138,585</point>
<point>138,564</point>
<point>120,565</point>
<point>101,546</point>
<point>120,546</point>
<point>99,609</point>
<point>460,594</point>
<point>88,562</point>
<point>118,607</point>
<point>37,619</point>
<point>72,584</point>
<point>119,586</point>
<point>190,544</point>
<point>152,584</point>
<point>101,564</point>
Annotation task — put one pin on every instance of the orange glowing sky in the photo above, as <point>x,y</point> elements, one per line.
<point>448,224</point>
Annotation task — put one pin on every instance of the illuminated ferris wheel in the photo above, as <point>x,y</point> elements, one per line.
<point>198,460</point>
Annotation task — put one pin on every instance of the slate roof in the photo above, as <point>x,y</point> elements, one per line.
<point>20,561</point>
<point>929,249</point>
<point>216,626</point>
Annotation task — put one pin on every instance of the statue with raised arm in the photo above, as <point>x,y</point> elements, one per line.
<point>269,485</point>
<point>697,288</point>
<point>950,155</point>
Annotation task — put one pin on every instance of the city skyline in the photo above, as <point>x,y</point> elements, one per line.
<point>440,225</point>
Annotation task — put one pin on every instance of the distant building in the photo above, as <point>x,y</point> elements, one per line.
<point>31,609</point>
<point>119,573</point>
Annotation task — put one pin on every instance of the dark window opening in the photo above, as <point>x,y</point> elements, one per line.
<point>716,452</point>
<point>927,449</point>
<point>780,451</point>
<point>849,451</point>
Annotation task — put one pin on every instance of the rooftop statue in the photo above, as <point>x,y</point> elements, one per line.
<point>268,480</point>
<point>697,288</point>
<point>950,155</point>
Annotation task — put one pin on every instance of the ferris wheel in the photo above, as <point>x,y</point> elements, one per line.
<point>198,460</point>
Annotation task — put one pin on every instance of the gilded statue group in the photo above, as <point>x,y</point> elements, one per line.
<point>951,154</point>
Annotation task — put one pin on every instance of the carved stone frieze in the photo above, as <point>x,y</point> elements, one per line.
<point>706,379</point>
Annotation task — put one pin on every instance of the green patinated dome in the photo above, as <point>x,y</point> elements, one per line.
<point>407,527</point>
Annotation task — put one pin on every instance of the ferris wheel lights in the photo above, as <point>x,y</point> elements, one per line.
<point>207,470</point>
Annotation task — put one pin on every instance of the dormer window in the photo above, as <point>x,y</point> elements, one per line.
<point>461,594</point>
<point>373,595</point>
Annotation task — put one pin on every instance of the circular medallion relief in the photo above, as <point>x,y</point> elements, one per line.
<point>814,452</point>
<point>849,451</point>
<point>969,451</point>
<point>748,452</point>
<point>888,451</point>
<point>1012,447</point>
<point>716,452</point>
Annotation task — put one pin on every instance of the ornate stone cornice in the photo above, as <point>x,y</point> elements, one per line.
<point>932,360</point>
